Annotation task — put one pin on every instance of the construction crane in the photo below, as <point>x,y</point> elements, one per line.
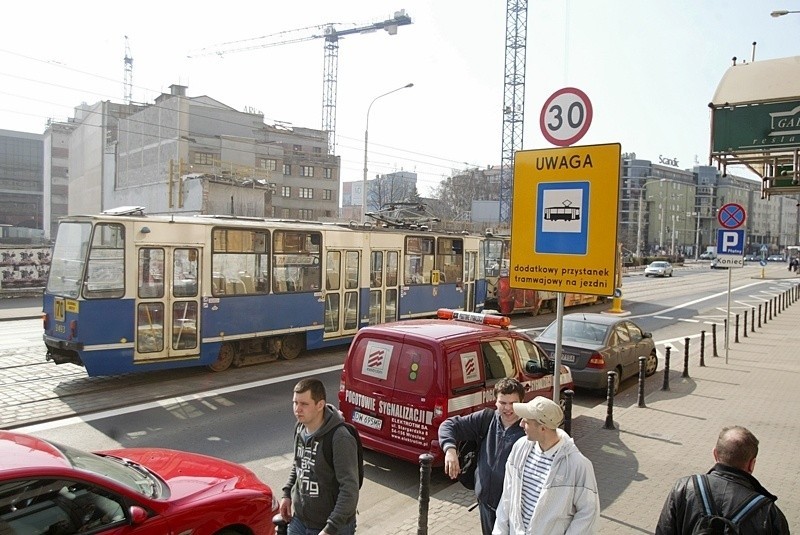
<point>331,34</point>
<point>513,99</point>
<point>128,83</point>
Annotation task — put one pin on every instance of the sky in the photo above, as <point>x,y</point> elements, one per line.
<point>649,67</point>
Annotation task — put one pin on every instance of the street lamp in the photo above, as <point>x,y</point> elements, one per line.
<point>781,12</point>
<point>366,138</point>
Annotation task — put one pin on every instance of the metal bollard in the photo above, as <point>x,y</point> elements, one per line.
<point>702,348</point>
<point>753,319</point>
<point>665,386</point>
<point>568,395</point>
<point>425,462</point>
<point>714,339</point>
<point>610,401</point>
<point>642,361</point>
<point>769,307</point>
<point>281,526</point>
<point>744,325</point>
<point>686,358</point>
<point>736,330</point>
<point>759,315</point>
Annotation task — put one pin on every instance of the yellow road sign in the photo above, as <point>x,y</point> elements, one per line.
<point>564,219</point>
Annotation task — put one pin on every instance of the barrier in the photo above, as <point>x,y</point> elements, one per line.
<point>281,526</point>
<point>568,396</point>
<point>425,462</point>
<point>736,330</point>
<point>744,325</point>
<point>714,339</point>
<point>640,401</point>
<point>753,319</point>
<point>609,424</point>
<point>665,386</point>
<point>686,358</point>
<point>702,349</point>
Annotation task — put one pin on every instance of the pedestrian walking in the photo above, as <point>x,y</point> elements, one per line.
<point>321,495</point>
<point>728,492</point>
<point>494,437</point>
<point>550,487</point>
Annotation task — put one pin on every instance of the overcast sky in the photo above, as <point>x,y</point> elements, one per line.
<point>650,67</point>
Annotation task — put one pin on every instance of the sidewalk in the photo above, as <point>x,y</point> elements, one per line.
<point>637,463</point>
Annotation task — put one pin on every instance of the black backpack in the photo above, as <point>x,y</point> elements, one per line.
<point>468,451</point>
<point>711,522</point>
<point>327,448</point>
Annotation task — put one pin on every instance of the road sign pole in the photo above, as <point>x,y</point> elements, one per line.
<point>728,323</point>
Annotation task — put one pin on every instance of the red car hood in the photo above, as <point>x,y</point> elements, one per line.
<point>189,474</point>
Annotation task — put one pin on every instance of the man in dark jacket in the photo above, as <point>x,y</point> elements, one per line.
<point>731,486</point>
<point>493,450</point>
<point>324,497</point>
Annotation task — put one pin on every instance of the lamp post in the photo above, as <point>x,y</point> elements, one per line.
<point>366,138</point>
<point>781,12</point>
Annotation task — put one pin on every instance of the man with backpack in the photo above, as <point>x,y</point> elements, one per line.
<point>728,499</point>
<point>495,433</point>
<point>321,495</point>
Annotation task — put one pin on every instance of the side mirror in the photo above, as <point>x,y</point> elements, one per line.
<point>647,335</point>
<point>532,367</point>
<point>138,515</point>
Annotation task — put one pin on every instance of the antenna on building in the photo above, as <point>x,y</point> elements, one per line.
<point>128,84</point>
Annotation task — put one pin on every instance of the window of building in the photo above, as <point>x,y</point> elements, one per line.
<point>286,191</point>
<point>297,148</point>
<point>285,213</point>
<point>327,194</point>
<point>203,158</point>
<point>306,193</point>
<point>327,172</point>
<point>306,213</point>
<point>287,169</point>
<point>306,170</point>
<point>268,164</point>
<point>317,150</point>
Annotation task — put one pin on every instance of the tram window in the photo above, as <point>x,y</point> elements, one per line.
<point>351,311</point>
<point>239,262</point>
<point>374,307</point>
<point>418,260</point>
<point>351,264</point>
<point>184,325</point>
<point>450,259</point>
<point>391,304</point>
<point>333,269</point>
<point>391,268</point>
<point>151,273</point>
<point>296,261</point>
<point>150,328</point>
<point>331,312</point>
<point>105,271</point>
<point>67,262</point>
<point>184,273</point>
<point>376,269</point>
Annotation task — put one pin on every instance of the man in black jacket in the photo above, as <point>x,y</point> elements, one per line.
<point>493,450</point>
<point>731,486</point>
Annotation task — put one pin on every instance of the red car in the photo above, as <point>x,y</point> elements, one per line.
<point>47,488</point>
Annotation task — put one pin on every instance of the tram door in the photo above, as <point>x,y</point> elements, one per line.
<point>383,285</point>
<point>342,276</point>
<point>167,303</point>
<point>470,269</point>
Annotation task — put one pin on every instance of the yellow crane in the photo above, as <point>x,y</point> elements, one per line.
<point>331,34</point>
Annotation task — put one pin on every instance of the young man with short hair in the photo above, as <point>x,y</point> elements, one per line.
<point>323,497</point>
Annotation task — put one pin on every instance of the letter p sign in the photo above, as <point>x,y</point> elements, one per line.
<point>730,242</point>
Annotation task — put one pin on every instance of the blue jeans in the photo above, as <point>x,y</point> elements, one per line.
<point>488,516</point>
<point>296,527</point>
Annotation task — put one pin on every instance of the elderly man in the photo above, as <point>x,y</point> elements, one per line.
<point>549,488</point>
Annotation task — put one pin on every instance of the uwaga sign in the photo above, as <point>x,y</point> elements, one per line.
<point>756,128</point>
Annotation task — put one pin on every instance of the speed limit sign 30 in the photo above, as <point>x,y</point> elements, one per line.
<point>566,116</point>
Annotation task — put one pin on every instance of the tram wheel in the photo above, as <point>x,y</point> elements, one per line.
<point>224,359</point>
<point>291,346</point>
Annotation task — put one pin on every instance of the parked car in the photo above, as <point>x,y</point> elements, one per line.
<point>594,344</point>
<point>776,258</point>
<point>658,269</point>
<point>708,255</point>
<point>752,258</point>
<point>716,265</point>
<point>46,487</point>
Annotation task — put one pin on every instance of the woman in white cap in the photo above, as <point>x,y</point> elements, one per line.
<point>549,486</point>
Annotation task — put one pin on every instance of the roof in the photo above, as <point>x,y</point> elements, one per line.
<point>759,81</point>
<point>603,319</point>
<point>432,329</point>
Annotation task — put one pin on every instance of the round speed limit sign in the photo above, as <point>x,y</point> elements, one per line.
<point>566,116</point>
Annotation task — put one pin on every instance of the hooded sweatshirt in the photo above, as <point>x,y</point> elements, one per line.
<point>324,496</point>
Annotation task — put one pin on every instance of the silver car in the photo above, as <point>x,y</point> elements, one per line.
<point>594,344</point>
<point>658,269</point>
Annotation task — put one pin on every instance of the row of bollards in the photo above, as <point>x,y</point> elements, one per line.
<point>777,304</point>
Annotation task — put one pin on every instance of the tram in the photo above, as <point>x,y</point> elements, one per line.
<point>131,292</point>
<point>500,296</point>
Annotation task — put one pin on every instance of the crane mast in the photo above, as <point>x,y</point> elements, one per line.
<point>331,35</point>
<point>128,83</point>
<point>513,99</point>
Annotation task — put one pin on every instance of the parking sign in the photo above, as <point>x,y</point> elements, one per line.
<point>730,247</point>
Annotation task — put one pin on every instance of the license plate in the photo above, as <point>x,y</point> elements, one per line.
<point>367,420</point>
<point>566,357</point>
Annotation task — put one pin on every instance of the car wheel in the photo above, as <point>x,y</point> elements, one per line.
<point>670,273</point>
<point>617,380</point>
<point>651,364</point>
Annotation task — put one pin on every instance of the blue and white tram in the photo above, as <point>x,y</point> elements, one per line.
<point>137,293</point>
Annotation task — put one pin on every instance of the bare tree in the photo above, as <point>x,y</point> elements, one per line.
<point>389,189</point>
<point>456,193</point>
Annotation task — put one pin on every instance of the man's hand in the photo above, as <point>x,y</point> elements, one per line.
<point>286,509</point>
<point>451,466</point>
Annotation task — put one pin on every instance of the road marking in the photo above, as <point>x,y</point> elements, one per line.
<point>687,320</point>
<point>664,317</point>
